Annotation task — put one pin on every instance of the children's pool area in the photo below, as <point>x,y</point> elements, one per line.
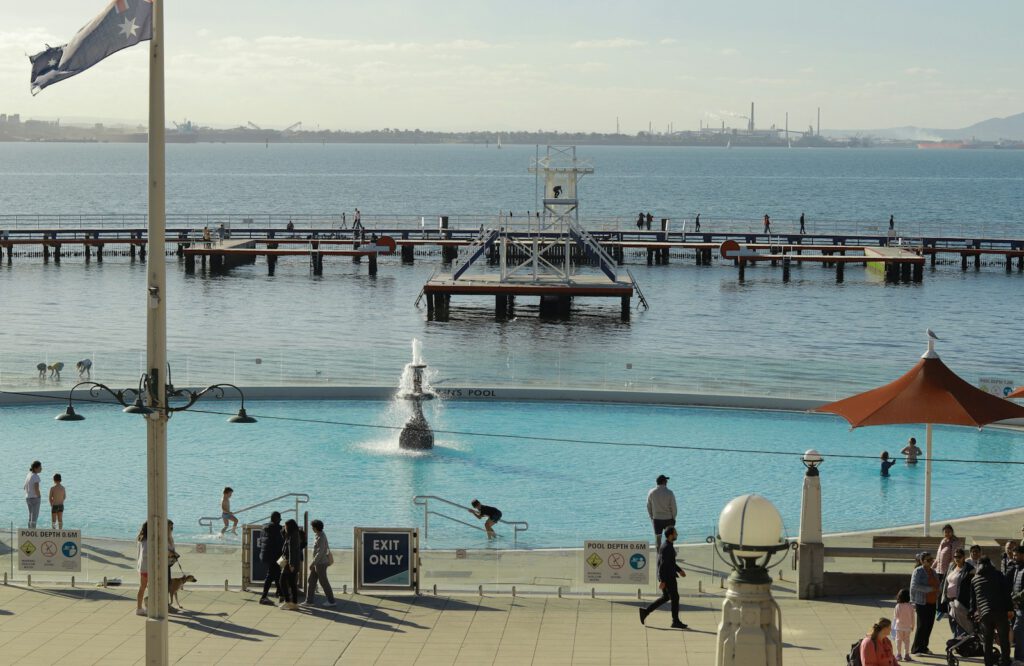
<point>345,455</point>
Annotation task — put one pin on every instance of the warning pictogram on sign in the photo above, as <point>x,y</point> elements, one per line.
<point>28,548</point>
<point>616,561</point>
<point>49,549</point>
<point>594,560</point>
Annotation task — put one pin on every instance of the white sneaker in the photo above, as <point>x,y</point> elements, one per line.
<point>328,604</point>
<point>141,612</point>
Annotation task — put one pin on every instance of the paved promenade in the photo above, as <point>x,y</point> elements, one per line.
<point>47,625</point>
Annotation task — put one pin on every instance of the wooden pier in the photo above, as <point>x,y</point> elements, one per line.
<point>555,296</point>
<point>229,253</point>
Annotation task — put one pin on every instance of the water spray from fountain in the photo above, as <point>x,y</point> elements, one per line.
<point>416,435</point>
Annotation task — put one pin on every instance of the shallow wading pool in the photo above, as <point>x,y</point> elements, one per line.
<point>567,491</point>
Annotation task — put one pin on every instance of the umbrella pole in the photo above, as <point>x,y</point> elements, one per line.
<point>928,480</point>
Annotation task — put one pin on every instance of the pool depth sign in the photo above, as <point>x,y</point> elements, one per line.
<point>49,550</point>
<point>387,558</point>
<point>616,562</point>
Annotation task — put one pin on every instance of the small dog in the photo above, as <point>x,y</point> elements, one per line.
<point>176,586</point>
<point>55,369</point>
<point>41,367</point>
<point>84,368</point>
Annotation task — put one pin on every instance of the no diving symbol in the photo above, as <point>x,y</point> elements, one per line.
<point>616,561</point>
<point>48,549</point>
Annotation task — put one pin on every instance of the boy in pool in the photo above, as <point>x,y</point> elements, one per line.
<point>225,511</point>
<point>911,451</point>
<point>493,517</point>
<point>58,494</point>
<point>886,463</point>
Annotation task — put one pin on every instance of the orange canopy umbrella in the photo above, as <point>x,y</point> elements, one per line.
<point>1017,393</point>
<point>930,393</point>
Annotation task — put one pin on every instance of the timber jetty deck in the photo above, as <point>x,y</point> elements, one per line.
<point>249,242</point>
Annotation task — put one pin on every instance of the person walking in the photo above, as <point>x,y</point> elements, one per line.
<point>271,546</point>
<point>291,553</point>
<point>949,544</point>
<point>321,559</point>
<point>993,608</point>
<point>668,570</point>
<point>767,224</point>
<point>661,508</point>
<point>803,228</point>
<point>911,451</point>
<point>32,494</point>
<point>640,220</point>
<point>696,223</point>
<point>924,589</point>
<point>650,218</point>
<point>225,511</point>
<point>876,648</point>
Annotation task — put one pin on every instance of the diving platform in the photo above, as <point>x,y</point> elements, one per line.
<point>556,294</point>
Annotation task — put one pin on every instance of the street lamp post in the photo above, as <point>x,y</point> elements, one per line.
<point>750,633</point>
<point>810,548</point>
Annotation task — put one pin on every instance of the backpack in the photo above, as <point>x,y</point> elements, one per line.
<point>853,658</point>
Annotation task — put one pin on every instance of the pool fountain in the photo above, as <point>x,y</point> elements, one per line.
<point>416,435</point>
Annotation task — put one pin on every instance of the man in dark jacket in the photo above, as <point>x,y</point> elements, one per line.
<point>993,606</point>
<point>1017,594</point>
<point>667,572</point>
<point>270,551</point>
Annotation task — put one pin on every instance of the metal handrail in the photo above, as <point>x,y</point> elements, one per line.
<point>424,501</point>
<point>300,498</point>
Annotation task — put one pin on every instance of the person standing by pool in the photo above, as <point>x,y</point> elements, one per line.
<point>32,495</point>
<point>911,451</point>
<point>291,552</point>
<point>58,494</point>
<point>668,570</point>
<point>974,556</point>
<point>993,607</point>
<point>924,592</point>
<point>321,559</point>
<point>886,463</point>
<point>493,516</point>
<point>956,594</point>
<point>141,567</point>
<point>949,544</point>
<point>661,507</point>
<point>271,545</point>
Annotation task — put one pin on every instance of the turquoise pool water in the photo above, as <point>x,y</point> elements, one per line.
<point>568,492</point>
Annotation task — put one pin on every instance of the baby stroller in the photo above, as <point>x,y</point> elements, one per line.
<point>970,643</point>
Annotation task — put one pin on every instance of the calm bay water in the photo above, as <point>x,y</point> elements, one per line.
<point>705,331</point>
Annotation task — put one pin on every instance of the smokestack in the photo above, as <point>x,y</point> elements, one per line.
<point>819,121</point>
<point>750,125</point>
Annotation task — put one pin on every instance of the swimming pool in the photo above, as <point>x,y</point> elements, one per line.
<point>567,491</point>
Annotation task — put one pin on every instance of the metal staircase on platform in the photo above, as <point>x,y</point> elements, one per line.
<point>476,250</point>
<point>425,500</point>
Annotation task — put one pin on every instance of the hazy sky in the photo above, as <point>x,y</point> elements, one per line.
<point>526,64</point>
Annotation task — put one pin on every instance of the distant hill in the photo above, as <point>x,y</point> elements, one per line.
<point>993,129</point>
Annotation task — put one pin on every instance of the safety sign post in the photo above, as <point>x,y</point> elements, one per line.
<point>49,550</point>
<point>616,562</point>
<point>387,558</point>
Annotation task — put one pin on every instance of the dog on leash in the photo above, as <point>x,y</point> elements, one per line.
<point>55,369</point>
<point>176,586</point>
<point>84,368</point>
<point>41,367</point>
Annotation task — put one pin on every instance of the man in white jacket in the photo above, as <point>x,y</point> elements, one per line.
<point>661,507</point>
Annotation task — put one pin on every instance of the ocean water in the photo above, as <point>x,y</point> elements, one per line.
<point>567,492</point>
<point>705,331</point>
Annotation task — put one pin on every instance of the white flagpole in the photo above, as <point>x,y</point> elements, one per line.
<point>928,480</point>
<point>156,358</point>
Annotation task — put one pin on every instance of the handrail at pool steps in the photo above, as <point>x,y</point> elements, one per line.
<point>424,501</point>
<point>300,498</point>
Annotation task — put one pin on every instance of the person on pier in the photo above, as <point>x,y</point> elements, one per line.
<point>640,220</point>
<point>767,224</point>
<point>803,228</point>
<point>696,223</point>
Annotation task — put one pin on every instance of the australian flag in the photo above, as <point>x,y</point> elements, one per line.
<point>122,24</point>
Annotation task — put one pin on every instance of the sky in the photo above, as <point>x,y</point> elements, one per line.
<point>573,65</point>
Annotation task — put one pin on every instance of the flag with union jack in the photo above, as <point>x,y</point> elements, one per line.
<point>122,24</point>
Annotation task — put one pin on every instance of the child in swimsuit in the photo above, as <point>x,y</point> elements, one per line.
<point>225,509</point>
<point>58,494</point>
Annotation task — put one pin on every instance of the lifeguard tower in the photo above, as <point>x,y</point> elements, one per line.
<point>548,254</point>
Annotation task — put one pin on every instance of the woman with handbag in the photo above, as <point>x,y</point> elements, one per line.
<point>291,563</point>
<point>321,559</point>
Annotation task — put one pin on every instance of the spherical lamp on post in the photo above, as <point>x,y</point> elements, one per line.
<point>810,549</point>
<point>749,534</point>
